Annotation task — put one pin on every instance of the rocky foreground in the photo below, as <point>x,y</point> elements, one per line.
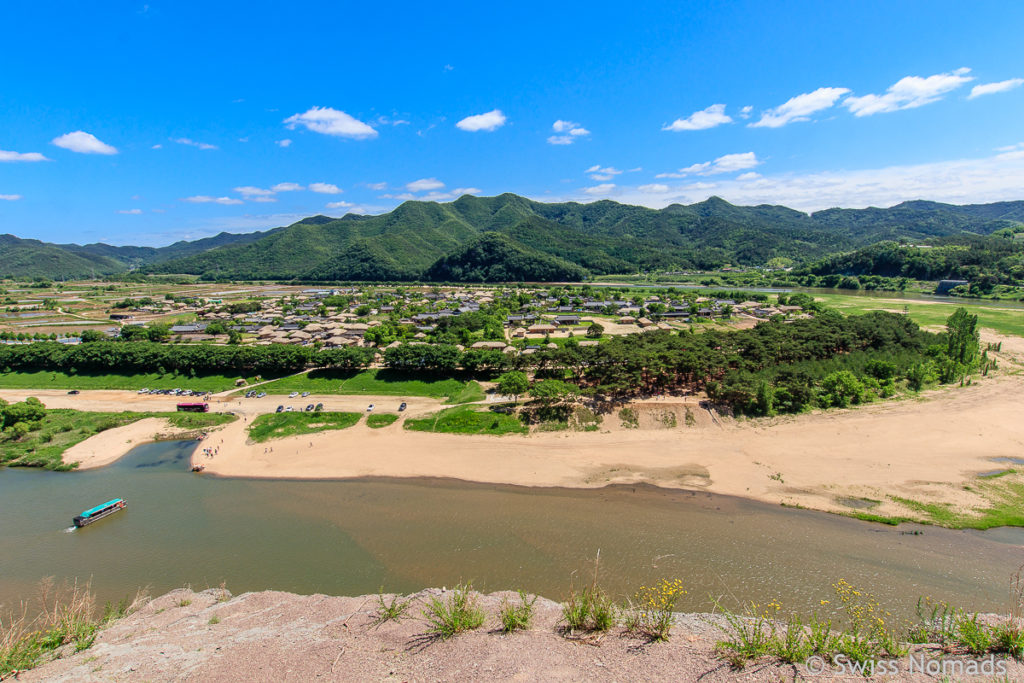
<point>272,636</point>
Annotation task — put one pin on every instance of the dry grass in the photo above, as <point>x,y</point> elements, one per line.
<point>59,616</point>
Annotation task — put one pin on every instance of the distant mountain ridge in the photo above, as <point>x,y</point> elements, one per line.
<point>510,237</point>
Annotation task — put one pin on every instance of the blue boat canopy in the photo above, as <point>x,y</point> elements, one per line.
<point>92,511</point>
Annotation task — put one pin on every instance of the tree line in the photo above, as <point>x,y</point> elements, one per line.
<point>777,366</point>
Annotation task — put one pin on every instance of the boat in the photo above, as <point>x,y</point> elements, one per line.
<point>99,512</point>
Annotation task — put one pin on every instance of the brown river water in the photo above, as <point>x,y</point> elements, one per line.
<point>354,537</point>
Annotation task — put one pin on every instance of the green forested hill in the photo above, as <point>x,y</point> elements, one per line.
<point>495,257</point>
<point>600,237</point>
<point>32,258</point>
<point>983,260</point>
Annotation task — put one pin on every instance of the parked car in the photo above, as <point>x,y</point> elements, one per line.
<point>293,394</point>
<point>309,408</point>
<point>369,408</point>
<point>288,409</point>
<point>280,409</point>
<point>402,407</point>
<point>261,394</point>
<point>319,407</point>
<point>73,392</point>
<point>305,394</point>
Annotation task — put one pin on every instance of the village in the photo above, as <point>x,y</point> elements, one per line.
<point>515,320</point>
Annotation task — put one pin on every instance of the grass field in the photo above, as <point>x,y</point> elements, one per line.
<point>467,420</point>
<point>281,425</point>
<point>377,383</point>
<point>61,380</point>
<point>378,420</point>
<point>1003,320</point>
<point>45,444</point>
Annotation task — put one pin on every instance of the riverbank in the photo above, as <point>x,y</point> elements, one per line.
<point>841,461</point>
<point>928,457</point>
<point>110,445</point>
<point>211,636</point>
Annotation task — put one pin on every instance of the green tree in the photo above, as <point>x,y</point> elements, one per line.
<point>595,330</point>
<point>514,383</point>
<point>962,337</point>
<point>841,388</point>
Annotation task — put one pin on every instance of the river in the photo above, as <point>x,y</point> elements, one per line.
<point>353,537</point>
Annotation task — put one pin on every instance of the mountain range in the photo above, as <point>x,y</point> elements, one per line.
<point>509,237</point>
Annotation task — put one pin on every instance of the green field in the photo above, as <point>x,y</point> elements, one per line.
<point>378,420</point>
<point>467,420</point>
<point>281,425</point>
<point>60,380</point>
<point>45,443</point>
<point>377,383</point>
<point>926,313</point>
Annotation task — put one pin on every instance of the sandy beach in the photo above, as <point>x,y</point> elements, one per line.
<point>106,447</point>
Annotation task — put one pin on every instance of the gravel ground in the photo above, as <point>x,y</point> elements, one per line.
<point>272,636</point>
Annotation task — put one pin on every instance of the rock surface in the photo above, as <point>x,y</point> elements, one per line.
<point>272,636</point>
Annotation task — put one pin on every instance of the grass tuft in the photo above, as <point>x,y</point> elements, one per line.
<point>516,617</point>
<point>391,611</point>
<point>458,614</point>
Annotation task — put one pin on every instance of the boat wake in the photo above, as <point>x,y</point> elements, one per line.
<point>70,529</point>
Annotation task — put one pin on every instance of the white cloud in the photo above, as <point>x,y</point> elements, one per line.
<point>339,205</point>
<point>452,194</point>
<point>653,188</point>
<point>489,121</point>
<point>995,178</point>
<point>324,188</point>
<point>331,122</point>
<point>799,108</point>
<point>727,163</point>
<point>377,186</point>
<point>598,173</point>
<point>424,184</point>
<point>256,194</point>
<point>283,143</point>
<point>248,191</point>
<point>83,143</point>
<point>568,132</point>
<point>287,187</point>
<point>700,120</point>
<point>9,197</point>
<point>157,147</point>
<point>131,212</point>
<point>602,189</point>
<point>205,199</point>
<point>750,175</point>
<point>193,143</point>
<point>21,156</point>
<point>992,88</point>
<point>745,111</point>
<point>908,92</point>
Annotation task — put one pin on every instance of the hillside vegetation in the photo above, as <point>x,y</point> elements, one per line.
<point>510,237</point>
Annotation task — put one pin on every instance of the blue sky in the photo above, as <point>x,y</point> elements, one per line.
<point>144,123</point>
